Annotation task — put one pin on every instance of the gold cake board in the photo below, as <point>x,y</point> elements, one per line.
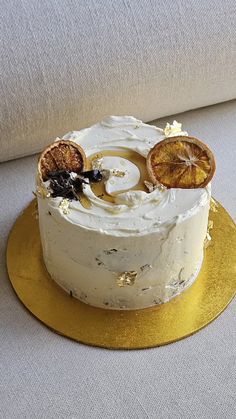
<point>181,317</point>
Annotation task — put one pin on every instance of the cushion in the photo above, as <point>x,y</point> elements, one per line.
<point>65,65</point>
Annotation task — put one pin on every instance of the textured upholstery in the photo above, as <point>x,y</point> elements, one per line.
<point>66,64</point>
<point>46,376</point>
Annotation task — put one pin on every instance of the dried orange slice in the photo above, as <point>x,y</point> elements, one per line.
<point>61,155</point>
<point>181,162</point>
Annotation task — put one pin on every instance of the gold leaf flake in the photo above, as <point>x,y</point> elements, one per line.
<point>42,191</point>
<point>213,205</point>
<point>126,278</point>
<point>97,164</point>
<point>210,225</point>
<point>152,187</point>
<point>149,186</point>
<point>208,236</point>
<point>161,187</point>
<point>172,129</point>
<point>64,205</point>
<point>207,240</point>
<point>118,173</point>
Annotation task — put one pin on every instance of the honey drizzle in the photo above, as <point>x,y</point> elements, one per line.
<point>85,202</point>
<point>134,157</point>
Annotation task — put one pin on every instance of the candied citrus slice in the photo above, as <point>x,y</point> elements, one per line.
<point>61,155</point>
<point>181,162</point>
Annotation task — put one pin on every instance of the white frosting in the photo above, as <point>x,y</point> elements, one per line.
<point>159,234</point>
<point>129,174</point>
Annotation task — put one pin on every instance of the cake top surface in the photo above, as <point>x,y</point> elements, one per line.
<point>127,203</point>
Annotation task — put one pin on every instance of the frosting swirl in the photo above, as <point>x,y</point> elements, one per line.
<point>132,210</point>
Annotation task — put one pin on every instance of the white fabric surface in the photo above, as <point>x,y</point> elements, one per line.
<point>67,64</point>
<point>43,375</point>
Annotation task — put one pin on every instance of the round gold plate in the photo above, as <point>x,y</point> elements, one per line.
<point>181,317</point>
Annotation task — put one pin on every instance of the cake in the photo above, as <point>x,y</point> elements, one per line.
<point>120,239</point>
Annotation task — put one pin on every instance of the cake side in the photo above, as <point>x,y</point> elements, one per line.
<point>123,272</point>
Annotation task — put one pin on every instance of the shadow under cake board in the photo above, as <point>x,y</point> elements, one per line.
<point>184,315</point>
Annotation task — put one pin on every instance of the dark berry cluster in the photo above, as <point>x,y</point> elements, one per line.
<point>62,184</point>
